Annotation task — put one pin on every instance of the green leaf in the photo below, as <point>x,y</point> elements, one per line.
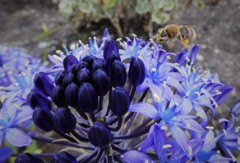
<point>110,3</point>
<point>160,17</point>
<point>85,6</point>
<point>142,7</point>
<point>168,5</point>
<point>157,4</point>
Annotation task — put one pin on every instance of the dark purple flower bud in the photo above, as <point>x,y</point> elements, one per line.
<point>43,83</point>
<point>79,66</point>
<point>120,101</point>
<point>69,61</point>
<point>111,49</point>
<point>101,82</point>
<point>87,98</point>
<point>99,134</point>
<point>84,75</point>
<point>63,157</point>
<point>43,119</point>
<point>71,95</point>
<point>68,79</point>
<point>37,99</point>
<point>223,94</point>
<point>110,55</point>
<point>58,96</point>
<point>89,59</point>
<point>64,120</point>
<point>98,64</point>
<point>59,78</point>
<point>27,158</point>
<point>235,110</point>
<point>118,74</point>
<point>136,73</point>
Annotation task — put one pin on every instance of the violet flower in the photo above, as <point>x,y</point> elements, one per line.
<point>130,101</point>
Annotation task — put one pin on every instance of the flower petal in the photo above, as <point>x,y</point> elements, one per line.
<point>17,138</point>
<point>135,156</point>
<point>145,109</point>
<point>180,137</point>
<point>148,142</point>
<point>6,152</point>
<point>236,109</point>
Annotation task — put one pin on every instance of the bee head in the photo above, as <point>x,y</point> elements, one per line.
<point>162,35</point>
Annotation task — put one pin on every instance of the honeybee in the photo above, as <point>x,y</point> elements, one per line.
<point>185,34</point>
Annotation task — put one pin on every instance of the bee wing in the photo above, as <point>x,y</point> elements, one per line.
<point>193,37</point>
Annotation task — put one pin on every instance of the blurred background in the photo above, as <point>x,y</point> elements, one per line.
<point>42,27</point>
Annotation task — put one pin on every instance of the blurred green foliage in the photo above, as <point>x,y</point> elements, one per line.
<point>155,11</point>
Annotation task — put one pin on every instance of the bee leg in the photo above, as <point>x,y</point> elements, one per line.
<point>184,42</point>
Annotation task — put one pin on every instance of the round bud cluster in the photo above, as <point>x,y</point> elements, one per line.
<point>82,85</point>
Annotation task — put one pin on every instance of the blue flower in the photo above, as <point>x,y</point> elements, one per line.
<point>99,102</point>
<point>18,70</point>
<point>135,48</point>
<point>160,75</point>
<point>10,119</point>
<point>171,119</point>
<point>229,137</point>
<point>81,50</point>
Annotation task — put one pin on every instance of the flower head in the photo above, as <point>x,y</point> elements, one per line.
<point>130,101</point>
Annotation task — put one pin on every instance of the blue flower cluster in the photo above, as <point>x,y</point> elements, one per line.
<point>130,101</point>
<point>17,70</point>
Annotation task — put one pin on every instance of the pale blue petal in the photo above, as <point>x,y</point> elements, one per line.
<point>167,93</point>
<point>24,115</point>
<point>236,109</point>
<point>145,109</point>
<point>186,106</point>
<point>180,137</point>
<point>174,83</point>
<point>174,100</point>
<point>142,87</point>
<point>202,113</point>
<point>156,91</point>
<point>219,159</point>
<point>17,138</point>
<point>210,141</point>
<point>135,156</point>
<point>193,126</point>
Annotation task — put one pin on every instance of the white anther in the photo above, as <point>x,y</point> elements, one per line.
<point>118,39</point>
<point>58,58</point>
<point>197,93</point>
<point>134,35</point>
<point>200,115</point>
<point>218,92</point>
<point>165,128</point>
<point>225,132</point>
<point>157,98</point>
<point>210,127</point>
<point>190,152</point>
<point>166,146</point>
<point>154,69</point>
